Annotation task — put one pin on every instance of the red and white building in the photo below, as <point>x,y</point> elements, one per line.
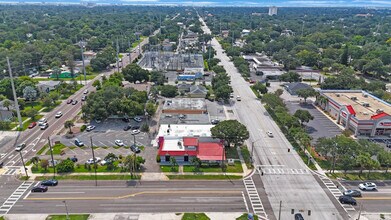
<point>358,111</point>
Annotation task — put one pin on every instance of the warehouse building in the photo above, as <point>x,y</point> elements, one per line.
<point>358,111</point>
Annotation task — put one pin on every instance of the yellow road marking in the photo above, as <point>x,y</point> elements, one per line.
<point>138,193</point>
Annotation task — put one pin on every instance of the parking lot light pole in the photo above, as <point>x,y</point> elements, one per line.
<point>51,154</point>
<point>94,160</point>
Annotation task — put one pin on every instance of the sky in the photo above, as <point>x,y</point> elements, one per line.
<point>247,3</point>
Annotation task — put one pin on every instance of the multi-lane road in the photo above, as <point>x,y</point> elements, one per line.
<point>36,138</point>
<point>287,180</point>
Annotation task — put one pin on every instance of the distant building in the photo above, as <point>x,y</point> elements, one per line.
<point>47,86</point>
<point>184,106</point>
<point>287,33</point>
<point>292,88</point>
<point>145,86</point>
<point>224,33</point>
<point>245,32</point>
<point>364,15</point>
<point>272,10</point>
<point>88,55</point>
<point>197,91</point>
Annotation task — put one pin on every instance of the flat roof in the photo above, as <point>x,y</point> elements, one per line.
<point>185,104</point>
<point>187,130</point>
<point>356,99</point>
<point>190,119</point>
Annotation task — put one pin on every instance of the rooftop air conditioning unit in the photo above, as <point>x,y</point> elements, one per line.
<point>365,95</point>
<point>338,95</point>
<point>365,104</point>
<point>365,113</point>
<point>353,98</point>
<point>379,110</point>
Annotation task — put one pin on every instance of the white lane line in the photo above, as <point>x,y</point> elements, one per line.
<point>65,192</point>
<point>245,202</point>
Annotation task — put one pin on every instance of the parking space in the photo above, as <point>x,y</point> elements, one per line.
<point>215,110</point>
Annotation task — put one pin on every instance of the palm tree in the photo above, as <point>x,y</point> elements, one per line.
<point>69,125</point>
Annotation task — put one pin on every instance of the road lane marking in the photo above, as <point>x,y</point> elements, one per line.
<point>138,193</point>
<point>374,198</point>
<point>65,192</point>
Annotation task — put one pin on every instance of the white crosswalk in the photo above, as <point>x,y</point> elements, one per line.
<point>15,196</point>
<point>10,170</point>
<point>255,200</point>
<point>282,171</point>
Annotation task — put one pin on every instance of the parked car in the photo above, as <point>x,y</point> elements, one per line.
<point>119,143</point>
<point>299,216</point>
<point>231,95</point>
<point>367,186</point>
<point>74,102</point>
<point>42,121</point>
<point>20,147</point>
<point>32,125</point>
<point>39,188</point>
<point>50,182</point>
<point>69,101</point>
<point>182,116</point>
<point>137,119</point>
<point>74,159</point>
<point>135,149</point>
<point>90,128</point>
<point>79,143</point>
<point>58,115</point>
<point>269,133</point>
<point>83,98</point>
<point>44,126</point>
<point>352,192</point>
<point>125,119</point>
<point>127,127</point>
<point>53,163</point>
<point>136,131</point>
<point>85,91</point>
<point>238,98</point>
<point>347,200</point>
<point>91,161</point>
<point>215,121</point>
<point>103,162</point>
<point>1,164</point>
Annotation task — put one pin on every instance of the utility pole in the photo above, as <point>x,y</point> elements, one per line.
<point>94,159</point>
<point>82,44</point>
<point>15,97</point>
<point>233,39</point>
<point>24,165</point>
<point>130,51</point>
<point>117,56</point>
<point>279,211</point>
<point>66,209</point>
<point>359,213</point>
<point>51,154</point>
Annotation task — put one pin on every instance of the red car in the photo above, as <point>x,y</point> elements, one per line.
<point>32,124</point>
<point>252,81</point>
<point>69,101</point>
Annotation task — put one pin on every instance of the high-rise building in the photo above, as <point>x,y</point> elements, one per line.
<point>272,10</point>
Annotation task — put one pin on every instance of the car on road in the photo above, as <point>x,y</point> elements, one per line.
<point>74,159</point>
<point>44,126</point>
<point>135,149</point>
<point>137,119</point>
<point>20,147</point>
<point>231,95</point>
<point>367,186</point>
<point>91,161</point>
<point>269,133</point>
<point>299,216</point>
<point>136,131</point>
<point>90,127</point>
<point>352,193</point>
<point>50,182</point>
<point>79,143</point>
<point>83,98</point>
<point>69,101</point>
<point>58,115</point>
<point>215,121</point>
<point>42,120</point>
<point>238,98</point>
<point>39,188</point>
<point>347,200</point>
<point>74,102</point>
<point>119,143</point>
<point>32,125</point>
<point>85,91</point>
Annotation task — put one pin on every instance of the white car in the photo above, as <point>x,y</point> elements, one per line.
<point>44,126</point>
<point>85,91</point>
<point>90,128</point>
<point>58,115</point>
<point>238,98</point>
<point>91,161</point>
<point>367,186</point>
<point>20,147</point>
<point>137,119</point>
<point>103,162</point>
<point>269,133</point>
<point>119,143</point>
<point>42,121</point>
<point>136,131</point>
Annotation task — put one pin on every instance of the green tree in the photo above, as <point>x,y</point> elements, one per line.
<point>290,77</point>
<point>260,87</point>
<point>31,113</point>
<point>44,164</point>
<point>231,131</point>
<point>345,56</point>
<point>384,159</point>
<point>196,162</point>
<point>157,77</point>
<point>223,92</point>
<point>35,160</point>
<point>303,116</point>
<point>363,160</point>
<point>150,108</point>
<point>68,125</point>
<point>134,72</point>
<point>173,163</point>
<point>169,91</point>
<point>29,93</point>
<point>97,84</point>
<point>272,100</point>
<point>306,93</point>
<point>65,166</point>
<point>47,101</point>
<point>7,104</point>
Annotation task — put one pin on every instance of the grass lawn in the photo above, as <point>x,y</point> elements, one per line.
<point>71,217</point>
<point>57,148</point>
<point>203,177</point>
<point>81,168</point>
<point>237,168</point>
<point>42,149</point>
<point>246,156</point>
<point>48,109</point>
<point>167,168</point>
<point>89,177</point>
<point>245,217</point>
<point>37,105</point>
<point>134,44</point>
<point>231,153</point>
<point>364,176</point>
<point>27,123</point>
<point>195,216</point>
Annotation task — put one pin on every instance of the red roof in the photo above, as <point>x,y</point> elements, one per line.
<point>210,151</point>
<point>351,110</point>
<point>380,115</point>
<point>190,141</point>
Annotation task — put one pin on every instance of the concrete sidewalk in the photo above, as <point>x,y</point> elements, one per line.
<point>131,216</point>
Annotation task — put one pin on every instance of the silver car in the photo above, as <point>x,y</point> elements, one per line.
<point>352,192</point>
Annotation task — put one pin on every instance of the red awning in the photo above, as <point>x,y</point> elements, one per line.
<point>351,110</point>
<point>380,115</point>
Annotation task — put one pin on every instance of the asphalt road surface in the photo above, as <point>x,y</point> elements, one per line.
<point>118,196</point>
<point>295,191</point>
<point>36,138</point>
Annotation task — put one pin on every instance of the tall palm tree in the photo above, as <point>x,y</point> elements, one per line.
<point>69,125</point>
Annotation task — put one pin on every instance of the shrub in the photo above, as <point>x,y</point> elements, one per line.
<point>158,158</point>
<point>83,128</point>
<point>65,166</point>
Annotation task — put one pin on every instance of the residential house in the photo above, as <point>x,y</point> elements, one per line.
<point>47,86</point>
<point>197,91</point>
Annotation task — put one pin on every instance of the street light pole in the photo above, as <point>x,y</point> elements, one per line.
<point>51,154</point>
<point>24,165</point>
<point>66,209</point>
<point>252,150</point>
<point>14,94</point>
<point>279,211</point>
<point>93,159</point>
<point>82,44</point>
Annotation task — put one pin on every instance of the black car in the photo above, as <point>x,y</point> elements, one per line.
<point>299,216</point>
<point>126,119</point>
<point>1,164</point>
<point>74,159</point>
<point>134,148</point>
<point>347,200</point>
<point>127,127</point>
<point>135,127</point>
<point>50,182</point>
<point>215,121</point>
<point>39,188</point>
